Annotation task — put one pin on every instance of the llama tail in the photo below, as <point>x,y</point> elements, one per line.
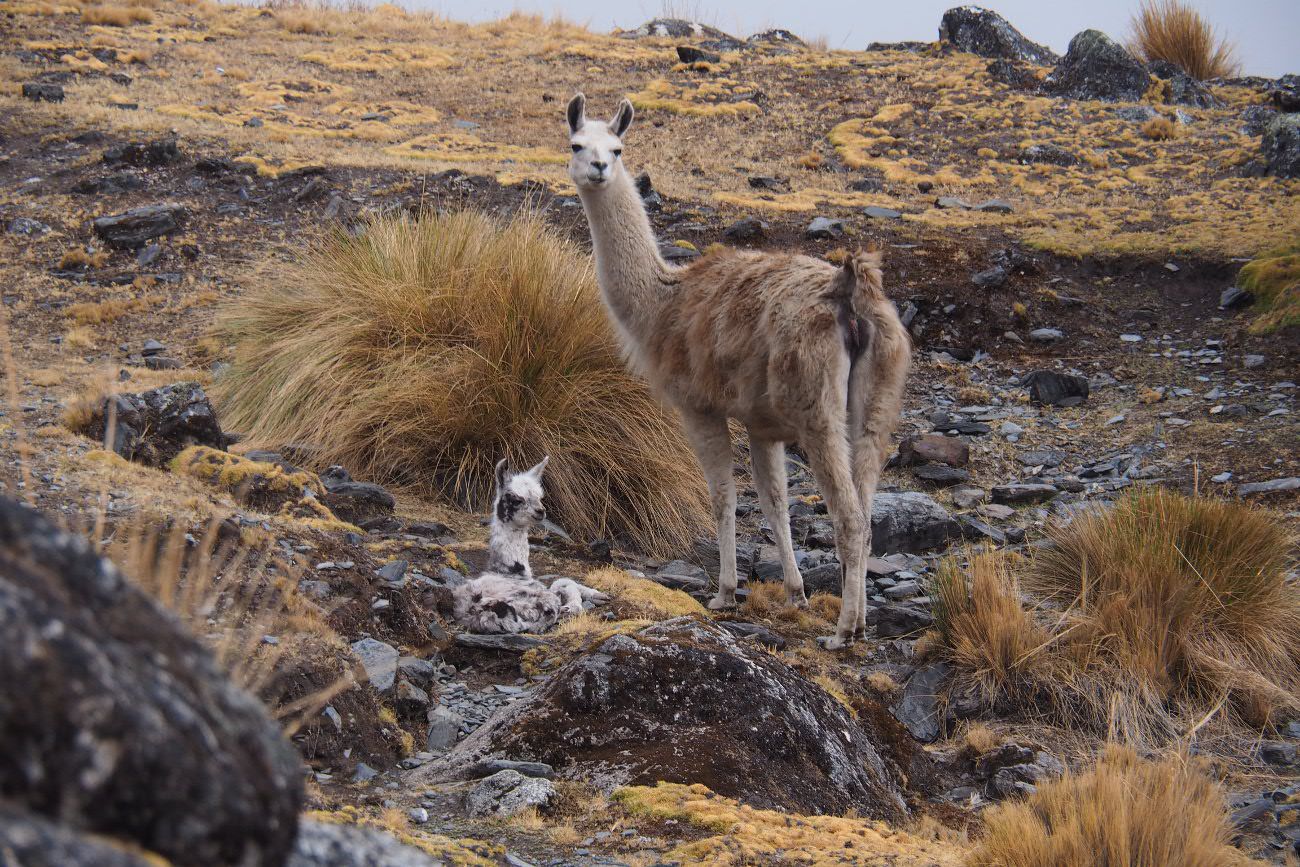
<point>877,370</point>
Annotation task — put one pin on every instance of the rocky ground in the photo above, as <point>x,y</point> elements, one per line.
<point>1064,353</point>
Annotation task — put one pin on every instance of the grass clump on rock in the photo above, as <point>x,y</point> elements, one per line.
<point>1274,280</point>
<point>423,350</point>
<point>1141,619</point>
<point>1125,812</point>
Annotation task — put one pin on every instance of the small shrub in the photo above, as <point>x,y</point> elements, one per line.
<point>1173,31</point>
<point>1124,812</point>
<point>1159,129</point>
<point>116,16</point>
<point>424,350</point>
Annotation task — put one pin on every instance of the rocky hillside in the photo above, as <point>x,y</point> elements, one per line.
<point>1064,238</point>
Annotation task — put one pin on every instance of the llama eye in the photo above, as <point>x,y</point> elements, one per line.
<point>576,148</point>
<point>618,152</point>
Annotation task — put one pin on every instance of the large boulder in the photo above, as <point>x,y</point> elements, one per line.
<point>988,34</point>
<point>154,426</point>
<point>115,721</point>
<point>1097,67</point>
<point>1281,146</point>
<point>680,28</point>
<point>1183,88</point>
<point>329,844</point>
<point>684,701</point>
<point>909,523</point>
<point>34,841</point>
<point>353,501</point>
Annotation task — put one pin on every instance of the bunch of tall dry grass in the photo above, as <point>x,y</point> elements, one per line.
<point>423,350</point>
<point>1146,617</point>
<point>1124,812</point>
<point>1173,31</point>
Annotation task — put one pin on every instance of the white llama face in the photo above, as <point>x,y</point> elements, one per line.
<point>519,496</point>
<point>597,146</point>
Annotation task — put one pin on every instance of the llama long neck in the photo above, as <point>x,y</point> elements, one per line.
<point>508,550</point>
<point>633,277</point>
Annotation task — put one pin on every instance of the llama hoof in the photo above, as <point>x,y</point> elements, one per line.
<point>834,642</point>
<point>721,602</point>
<point>798,600</point>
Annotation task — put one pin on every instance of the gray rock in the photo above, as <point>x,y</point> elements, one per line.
<point>775,36</point>
<point>152,427</point>
<point>953,451</point>
<point>953,203</point>
<point>940,475</point>
<point>1014,74</point>
<point>1097,67</point>
<point>646,706</point>
<point>1253,361</point>
<point>990,278</point>
<point>993,206</point>
<point>1019,494</point>
<point>1280,146</point>
<point>1183,89</point>
<point>392,571</point>
<point>28,840</point>
<point>746,230</point>
<point>38,91</point>
<point>506,794</point>
<point>1235,296</point>
<point>355,502</point>
<point>1048,153</point>
<point>330,844</point>
<point>824,228</point>
<point>986,33</point>
<point>691,54</point>
<point>508,643</point>
<point>918,708</point>
<point>1278,753</point>
<point>1049,388</point>
<point>1273,486</point>
<point>137,226</point>
<point>379,660</point>
<point>495,766</point>
<point>122,721</point>
<point>909,523</point>
<point>444,725</point>
<point>1046,335</point>
<point>26,226</point>
<point>966,498</point>
<point>876,212</point>
<point>901,618</point>
<point>155,152</point>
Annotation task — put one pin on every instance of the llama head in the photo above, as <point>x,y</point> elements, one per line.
<point>519,495</point>
<point>597,146</point>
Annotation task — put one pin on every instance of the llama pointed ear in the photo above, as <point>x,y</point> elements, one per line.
<point>536,472</point>
<point>577,112</point>
<point>503,473</point>
<point>622,118</point>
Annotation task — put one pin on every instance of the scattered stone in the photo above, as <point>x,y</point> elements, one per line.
<point>509,643</point>
<point>30,840</point>
<point>757,632</point>
<point>940,475</point>
<point>1273,486</point>
<point>1235,296</point>
<point>798,749</point>
<point>1252,361</point>
<point>990,278</point>
<point>679,28</point>
<point>966,498</point>
<point>775,36</point>
<point>1278,753</point>
<point>444,725</point>
<point>909,522</point>
<point>746,230</point>
<point>994,206</point>
<point>123,722</point>
<point>139,225</point>
<point>974,528</point>
<point>1220,478</point>
<point>379,660</point>
<point>953,451</point>
<point>143,153</point>
<point>824,228</point>
<point>487,768</point>
<point>876,212</point>
<point>1183,89</point>
<point>1019,494</point>
<point>355,502</point>
<point>1130,338</point>
<point>901,618</point>
<point>38,91</point>
<point>1049,388</point>
<point>1011,430</point>
<point>690,54</point>
<point>152,427</point>
<point>1046,335</point>
<point>1014,74</point>
<point>335,844</point>
<point>918,709</point>
<point>984,32</point>
<point>26,226</point>
<point>952,202</point>
<point>1048,153</point>
<point>1281,146</point>
<point>1097,67</point>
<point>506,794</point>
<point>775,185</point>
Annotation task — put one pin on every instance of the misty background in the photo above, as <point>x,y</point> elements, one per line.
<point>1266,32</point>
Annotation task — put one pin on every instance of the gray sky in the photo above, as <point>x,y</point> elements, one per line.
<point>1267,32</point>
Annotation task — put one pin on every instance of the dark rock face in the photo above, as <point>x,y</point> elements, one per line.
<point>1049,388</point>
<point>1285,93</point>
<point>137,226</point>
<point>1183,89</point>
<point>680,28</point>
<point>355,502</point>
<point>691,54</point>
<point>918,709</point>
<point>1097,67</point>
<point>988,34</point>
<point>909,523</point>
<point>324,844</point>
<point>117,722</point>
<point>33,841</point>
<point>776,37</point>
<point>684,701</point>
<point>153,427</point>
<point>1048,153</point>
<point>1281,146</point>
<point>1014,74</point>
<point>144,153</point>
<point>38,91</point>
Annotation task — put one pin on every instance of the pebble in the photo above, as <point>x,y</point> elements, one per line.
<point>1046,335</point>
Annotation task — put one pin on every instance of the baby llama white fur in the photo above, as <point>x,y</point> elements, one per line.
<point>793,347</point>
<point>506,598</point>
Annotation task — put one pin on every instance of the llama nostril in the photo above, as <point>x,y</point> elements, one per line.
<point>597,164</point>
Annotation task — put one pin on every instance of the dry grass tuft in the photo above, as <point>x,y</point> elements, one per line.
<point>1274,280</point>
<point>1159,129</point>
<point>1124,812</point>
<point>1173,31</point>
<point>424,350</point>
<point>116,16</point>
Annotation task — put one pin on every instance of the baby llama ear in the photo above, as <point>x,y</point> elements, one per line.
<point>577,112</point>
<point>622,118</point>
<point>503,473</point>
<point>536,472</point>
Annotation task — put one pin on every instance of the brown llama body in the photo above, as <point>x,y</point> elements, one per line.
<point>794,348</point>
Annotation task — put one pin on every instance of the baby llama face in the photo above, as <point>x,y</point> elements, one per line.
<point>519,496</point>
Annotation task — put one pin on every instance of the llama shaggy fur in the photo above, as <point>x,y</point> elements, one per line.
<point>794,348</point>
<point>506,597</point>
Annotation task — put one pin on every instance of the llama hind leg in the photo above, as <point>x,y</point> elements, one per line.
<point>768,459</point>
<point>830,460</point>
<point>711,441</point>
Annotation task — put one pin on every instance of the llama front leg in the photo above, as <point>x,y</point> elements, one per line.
<point>768,459</point>
<point>829,457</point>
<point>711,441</point>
